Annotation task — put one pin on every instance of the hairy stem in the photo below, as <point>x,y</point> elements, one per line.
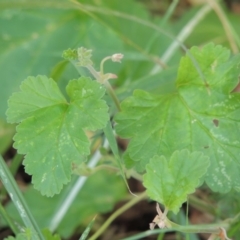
<point>112,95</point>
<point>108,86</point>
<point>93,72</point>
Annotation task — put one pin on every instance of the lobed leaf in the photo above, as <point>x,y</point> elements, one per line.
<point>51,130</point>
<point>170,181</point>
<point>203,115</point>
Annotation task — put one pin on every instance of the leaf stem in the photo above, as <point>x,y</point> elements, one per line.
<point>93,72</point>
<point>201,205</point>
<point>125,207</point>
<point>184,229</point>
<point>102,64</point>
<point>18,200</point>
<point>112,94</point>
<point>210,228</point>
<point>106,83</point>
<point>105,167</point>
<point>108,86</point>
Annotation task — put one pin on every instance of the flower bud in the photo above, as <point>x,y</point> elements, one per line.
<point>117,57</point>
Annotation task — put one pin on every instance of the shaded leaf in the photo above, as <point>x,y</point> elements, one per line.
<point>203,115</point>
<point>51,130</point>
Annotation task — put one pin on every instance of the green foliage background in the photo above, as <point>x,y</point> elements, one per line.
<point>33,35</point>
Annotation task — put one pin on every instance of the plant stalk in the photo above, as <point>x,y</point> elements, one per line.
<point>125,207</point>
<point>112,95</point>
<point>182,36</point>
<point>108,86</point>
<point>230,33</point>
<point>169,12</point>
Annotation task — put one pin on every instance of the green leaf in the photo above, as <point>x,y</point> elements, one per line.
<point>51,130</point>
<point>170,181</point>
<point>200,116</point>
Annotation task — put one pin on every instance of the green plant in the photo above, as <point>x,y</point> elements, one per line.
<point>179,138</point>
<point>50,129</point>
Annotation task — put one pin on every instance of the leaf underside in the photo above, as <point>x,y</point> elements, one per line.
<point>170,181</point>
<point>51,130</point>
<point>203,115</point>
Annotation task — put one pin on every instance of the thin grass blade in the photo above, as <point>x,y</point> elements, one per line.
<point>18,200</point>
